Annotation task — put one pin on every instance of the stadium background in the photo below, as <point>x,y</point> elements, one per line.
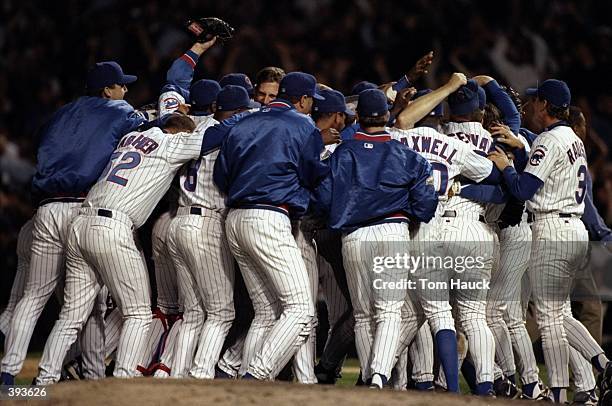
<point>46,48</point>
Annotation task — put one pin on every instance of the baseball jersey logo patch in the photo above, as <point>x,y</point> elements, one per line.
<point>171,103</point>
<point>537,156</point>
<point>368,145</point>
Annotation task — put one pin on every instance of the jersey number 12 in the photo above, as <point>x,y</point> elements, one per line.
<point>128,160</point>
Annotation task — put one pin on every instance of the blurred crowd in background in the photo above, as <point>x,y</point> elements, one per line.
<point>47,47</point>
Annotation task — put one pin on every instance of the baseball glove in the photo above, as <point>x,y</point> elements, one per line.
<point>204,29</point>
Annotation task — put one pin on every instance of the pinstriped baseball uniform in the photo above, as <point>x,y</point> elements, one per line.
<point>167,295</point>
<point>399,373</point>
<point>24,244</point>
<point>165,274</point>
<point>304,359</point>
<point>559,245</point>
<point>49,235</point>
<point>504,308</point>
<point>449,158</point>
<point>112,330</point>
<point>253,252</point>
<point>193,312</point>
<point>375,333</point>
<point>471,237</point>
<point>422,355</point>
<point>581,368</point>
<point>200,247</point>
<point>101,246</point>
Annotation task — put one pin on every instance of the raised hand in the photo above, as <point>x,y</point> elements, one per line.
<point>421,67</point>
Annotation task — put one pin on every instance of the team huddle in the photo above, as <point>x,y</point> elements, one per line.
<point>286,191</point>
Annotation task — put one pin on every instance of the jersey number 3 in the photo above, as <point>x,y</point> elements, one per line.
<point>128,160</point>
<point>581,191</point>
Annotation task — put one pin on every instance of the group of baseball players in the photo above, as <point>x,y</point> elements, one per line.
<point>285,191</point>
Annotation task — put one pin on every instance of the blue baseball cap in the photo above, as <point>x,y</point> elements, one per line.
<point>482,98</point>
<point>233,97</point>
<point>333,103</point>
<point>299,84</point>
<point>204,92</point>
<point>361,86</point>
<point>554,91</point>
<point>437,111</point>
<point>465,100</point>
<point>372,103</point>
<point>107,73</point>
<point>237,79</point>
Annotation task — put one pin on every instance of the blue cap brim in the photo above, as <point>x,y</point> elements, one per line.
<point>127,79</point>
<point>532,91</point>
<point>318,96</point>
<point>254,105</point>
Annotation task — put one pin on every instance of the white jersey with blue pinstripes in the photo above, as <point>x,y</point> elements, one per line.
<point>196,179</point>
<point>141,170</point>
<point>558,159</point>
<point>449,157</point>
<point>473,134</point>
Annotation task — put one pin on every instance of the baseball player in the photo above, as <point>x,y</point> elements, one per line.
<point>504,313</point>
<point>581,368</point>
<point>264,186</point>
<point>198,245</point>
<point>553,184</point>
<point>101,245</point>
<point>463,221</point>
<point>267,81</point>
<point>177,90</point>
<point>357,171</point>
<point>71,155</point>
<point>506,303</point>
<point>449,158</point>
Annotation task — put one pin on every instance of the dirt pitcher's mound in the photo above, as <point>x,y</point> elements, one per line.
<point>171,392</point>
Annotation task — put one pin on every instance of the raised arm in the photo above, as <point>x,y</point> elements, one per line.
<point>178,78</point>
<point>421,107</point>
<point>510,115</point>
<point>180,73</point>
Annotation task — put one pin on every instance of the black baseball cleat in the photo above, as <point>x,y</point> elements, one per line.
<point>71,372</point>
<point>110,368</point>
<point>504,388</point>
<point>360,381</point>
<point>221,374</point>
<point>325,376</point>
<point>604,379</point>
<point>605,398</point>
<point>586,398</point>
<point>7,379</point>
<point>249,377</point>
